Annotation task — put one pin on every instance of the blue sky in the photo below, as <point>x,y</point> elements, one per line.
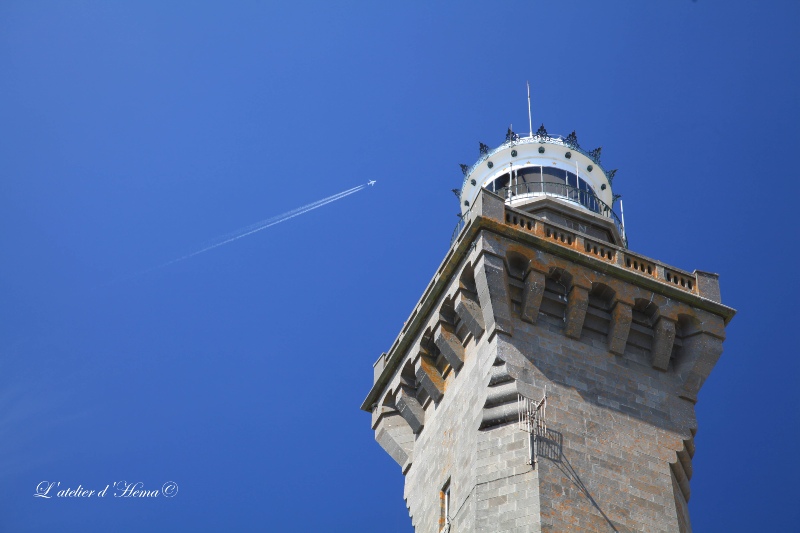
<point>132,133</point>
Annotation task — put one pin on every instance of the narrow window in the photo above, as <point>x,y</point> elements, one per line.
<point>444,520</point>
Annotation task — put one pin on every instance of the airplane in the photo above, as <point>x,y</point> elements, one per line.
<point>371,182</point>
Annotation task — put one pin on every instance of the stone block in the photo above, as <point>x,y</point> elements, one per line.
<point>378,367</point>
<point>577,302</point>
<point>488,205</point>
<point>532,294</point>
<point>708,285</point>
<point>395,436</point>
<point>663,340</point>
<point>492,283</point>
<point>429,378</point>
<point>450,346</point>
<point>619,328</point>
<point>469,312</point>
<point>699,354</point>
<point>410,409</point>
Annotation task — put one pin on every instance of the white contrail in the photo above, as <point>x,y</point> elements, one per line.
<point>258,226</point>
<point>264,224</point>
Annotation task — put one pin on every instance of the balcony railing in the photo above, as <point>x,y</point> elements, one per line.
<point>457,230</point>
<point>585,198</point>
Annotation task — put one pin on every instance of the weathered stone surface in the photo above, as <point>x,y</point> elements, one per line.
<point>492,283</point>
<point>577,302</point>
<point>620,327</point>
<point>699,354</point>
<point>708,285</point>
<point>488,205</point>
<point>395,436</point>
<point>410,409</point>
<point>378,367</point>
<point>429,377</point>
<point>448,343</point>
<point>469,312</point>
<point>684,525</point>
<point>663,340</point>
<point>532,295</point>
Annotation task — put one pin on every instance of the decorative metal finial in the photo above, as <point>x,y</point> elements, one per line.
<point>595,154</point>
<point>572,140</point>
<point>511,136</point>
<point>457,192</point>
<point>615,198</point>
<point>484,149</point>
<point>542,133</point>
<point>610,175</point>
<point>465,169</point>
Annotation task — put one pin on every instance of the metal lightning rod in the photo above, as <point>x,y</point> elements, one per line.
<point>530,122</point>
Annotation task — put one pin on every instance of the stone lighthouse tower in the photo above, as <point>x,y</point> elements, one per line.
<point>547,378</point>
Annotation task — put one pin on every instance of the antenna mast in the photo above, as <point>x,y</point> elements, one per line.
<point>532,420</point>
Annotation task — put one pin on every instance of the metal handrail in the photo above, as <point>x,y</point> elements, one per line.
<point>462,221</point>
<point>585,198</point>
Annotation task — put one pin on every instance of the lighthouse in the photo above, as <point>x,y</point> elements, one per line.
<point>546,379</point>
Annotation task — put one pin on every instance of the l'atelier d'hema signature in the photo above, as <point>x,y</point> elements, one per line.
<point>119,489</point>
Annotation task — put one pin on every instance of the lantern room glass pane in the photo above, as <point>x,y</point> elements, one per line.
<point>572,179</point>
<point>554,175</point>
